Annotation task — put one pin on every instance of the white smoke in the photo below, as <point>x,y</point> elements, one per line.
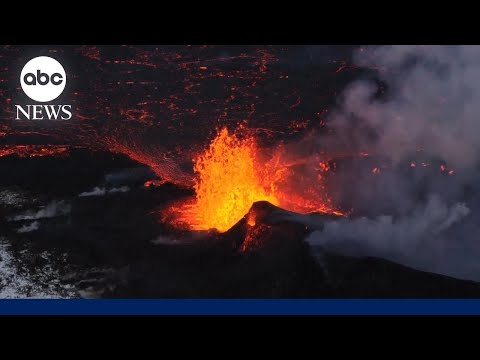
<point>28,228</point>
<point>418,240</point>
<point>103,191</point>
<point>121,189</point>
<point>53,209</point>
<point>432,104</point>
<point>95,192</point>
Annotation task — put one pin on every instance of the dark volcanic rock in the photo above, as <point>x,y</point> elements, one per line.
<point>116,246</point>
<point>60,175</point>
<point>378,278</point>
<point>276,263</point>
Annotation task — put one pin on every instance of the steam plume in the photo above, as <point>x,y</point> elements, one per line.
<point>28,228</point>
<point>103,191</point>
<point>53,209</point>
<point>424,98</point>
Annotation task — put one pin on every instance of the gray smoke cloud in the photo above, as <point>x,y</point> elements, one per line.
<point>433,105</point>
<point>419,240</point>
<point>29,228</point>
<point>425,98</point>
<point>53,209</point>
<point>97,191</point>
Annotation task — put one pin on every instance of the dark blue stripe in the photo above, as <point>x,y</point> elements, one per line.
<point>243,306</point>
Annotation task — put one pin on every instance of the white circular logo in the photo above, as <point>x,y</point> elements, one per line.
<point>43,79</point>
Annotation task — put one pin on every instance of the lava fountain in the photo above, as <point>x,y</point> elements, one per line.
<point>226,184</point>
<point>231,175</point>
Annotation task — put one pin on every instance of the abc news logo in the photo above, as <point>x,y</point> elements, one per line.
<point>43,79</point>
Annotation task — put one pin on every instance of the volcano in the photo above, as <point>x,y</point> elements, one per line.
<point>113,246</point>
<point>203,171</point>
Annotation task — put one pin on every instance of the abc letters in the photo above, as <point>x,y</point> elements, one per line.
<point>42,78</point>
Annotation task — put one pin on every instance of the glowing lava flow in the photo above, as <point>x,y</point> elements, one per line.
<point>227,184</point>
<point>230,177</point>
<point>25,151</point>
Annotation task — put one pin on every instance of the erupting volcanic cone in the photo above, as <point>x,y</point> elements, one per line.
<point>270,214</point>
<point>266,222</point>
<point>232,174</point>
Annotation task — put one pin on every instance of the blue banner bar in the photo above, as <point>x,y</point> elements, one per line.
<point>241,307</point>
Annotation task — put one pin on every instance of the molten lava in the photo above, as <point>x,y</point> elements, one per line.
<point>231,175</point>
<point>227,183</point>
<point>26,151</point>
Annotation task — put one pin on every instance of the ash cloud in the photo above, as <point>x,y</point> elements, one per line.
<point>423,99</point>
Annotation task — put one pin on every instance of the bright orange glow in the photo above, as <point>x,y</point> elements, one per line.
<point>151,183</point>
<point>233,173</point>
<point>227,183</point>
<point>324,166</point>
<point>251,220</point>
<point>25,151</point>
